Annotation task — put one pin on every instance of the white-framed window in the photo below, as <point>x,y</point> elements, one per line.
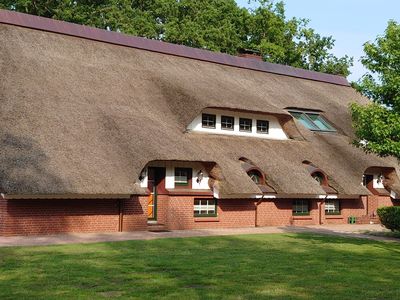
<point>262,126</point>
<point>208,120</point>
<point>245,124</point>
<point>312,120</point>
<point>205,207</point>
<point>227,123</point>
<point>332,207</point>
<point>301,207</point>
<point>182,176</point>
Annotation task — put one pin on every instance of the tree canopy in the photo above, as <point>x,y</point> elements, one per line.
<point>217,25</point>
<point>377,125</point>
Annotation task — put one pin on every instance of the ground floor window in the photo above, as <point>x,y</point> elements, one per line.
<point>332,207</point>
<point>301,207</point>
<point>205,207</point>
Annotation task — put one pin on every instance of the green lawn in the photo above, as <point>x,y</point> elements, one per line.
<point>277,266</point>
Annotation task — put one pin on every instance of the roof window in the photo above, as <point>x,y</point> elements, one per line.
<point>312,120</point>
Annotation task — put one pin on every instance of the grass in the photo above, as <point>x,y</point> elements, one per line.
<point>390,234</point>
<point>275,266</point>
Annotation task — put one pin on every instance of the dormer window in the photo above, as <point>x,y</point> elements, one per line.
<point>227,123</point>
<point>183,177</point>
<point>319,177</point>
<point>235,122</point>
<point>312,120</point>
<point>245,124</point>
<point>262,126</point>
<point>208,120</point>
<point>256,176</point>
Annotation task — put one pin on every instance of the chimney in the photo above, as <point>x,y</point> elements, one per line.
<point>250,54</point>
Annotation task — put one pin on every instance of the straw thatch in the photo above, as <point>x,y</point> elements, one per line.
<point>84,117</point>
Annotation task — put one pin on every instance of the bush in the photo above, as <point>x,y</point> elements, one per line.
<point>390,217</point>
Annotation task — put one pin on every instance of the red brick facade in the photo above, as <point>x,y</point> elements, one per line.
<point>50,216</point>
<point>33,217</point>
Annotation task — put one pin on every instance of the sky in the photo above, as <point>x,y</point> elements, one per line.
<point>350,22</point>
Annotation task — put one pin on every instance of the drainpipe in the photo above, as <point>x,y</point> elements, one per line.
<point>255,218</point>
<point>320,208</point>
<point>121,214</point>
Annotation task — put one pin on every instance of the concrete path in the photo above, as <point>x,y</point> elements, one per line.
<point>339,230</point>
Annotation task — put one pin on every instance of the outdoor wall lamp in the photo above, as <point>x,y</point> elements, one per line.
<point>143,174</point>
<point>199,176</point>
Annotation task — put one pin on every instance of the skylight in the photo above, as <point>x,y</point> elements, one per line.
<point>312,120</point>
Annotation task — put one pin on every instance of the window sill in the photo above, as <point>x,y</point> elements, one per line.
<point>306,217</point>
<point>206,219</point>
<point>333,217</point>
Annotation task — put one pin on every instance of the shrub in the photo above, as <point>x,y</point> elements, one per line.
<point>390,217</point>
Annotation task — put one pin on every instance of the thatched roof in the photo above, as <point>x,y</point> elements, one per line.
<point>84,117</point>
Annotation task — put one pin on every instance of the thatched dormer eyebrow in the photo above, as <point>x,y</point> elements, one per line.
<point>55,26</point>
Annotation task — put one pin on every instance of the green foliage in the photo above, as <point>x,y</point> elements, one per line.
<point>217,25</point>
<point>390,217</point>
<point>377,125</point>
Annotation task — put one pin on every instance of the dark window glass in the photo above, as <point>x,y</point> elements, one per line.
<point>318,176</point>
<point>255,176</point>
<point>227,123</point>
<point>300,207</point>
<point>245,124</point>
<point>182,176</point>
<point>262,126</point>
<point>208,121</point>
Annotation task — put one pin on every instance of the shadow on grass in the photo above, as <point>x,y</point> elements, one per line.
<point>288,266</point>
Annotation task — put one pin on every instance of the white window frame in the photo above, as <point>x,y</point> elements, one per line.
<point>332,207</point>
<point>207,206</point>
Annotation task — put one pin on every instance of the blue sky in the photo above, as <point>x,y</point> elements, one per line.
<point>350,22</point>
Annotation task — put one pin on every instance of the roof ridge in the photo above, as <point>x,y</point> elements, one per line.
<point>116,38</point>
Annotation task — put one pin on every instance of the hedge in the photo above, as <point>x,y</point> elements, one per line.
<point>390,217</point>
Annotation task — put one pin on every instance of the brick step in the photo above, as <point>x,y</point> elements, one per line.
<point>156,227</point>
<point>367,220</point>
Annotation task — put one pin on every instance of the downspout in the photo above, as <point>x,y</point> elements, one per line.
<point>121,215</point>
<point>255,217</point>
<point>320,208</point>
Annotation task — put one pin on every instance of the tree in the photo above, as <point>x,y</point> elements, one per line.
<point>377,125</point>
<point>216,25</point>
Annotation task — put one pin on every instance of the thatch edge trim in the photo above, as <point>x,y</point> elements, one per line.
<point>100,35</point>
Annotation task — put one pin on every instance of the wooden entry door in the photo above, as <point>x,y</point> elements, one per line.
<point>156,185</point>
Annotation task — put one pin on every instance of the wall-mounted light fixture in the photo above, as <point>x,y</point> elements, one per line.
<point>381,178</point>
<point>143,174</point>
<point>200,176</point>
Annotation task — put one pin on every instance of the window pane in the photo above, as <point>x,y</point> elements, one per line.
<point>332,206</point>
<point>182,176</point>
<point>205,207</point>
<point>208,121</point>
<point>300,207</point>
<point>262,126</point>
<point>227,122</point>
<point>320,122</point>
<point>303,119</point>
<point>245,124</point>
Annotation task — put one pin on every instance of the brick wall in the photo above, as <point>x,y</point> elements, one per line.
<point>36,217</point>
<point>278,212</point>
<point>134,213</point>
<point>348,207</point>
<point>2,213</point>
<point>231,213</point>
<point>30,217</point>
